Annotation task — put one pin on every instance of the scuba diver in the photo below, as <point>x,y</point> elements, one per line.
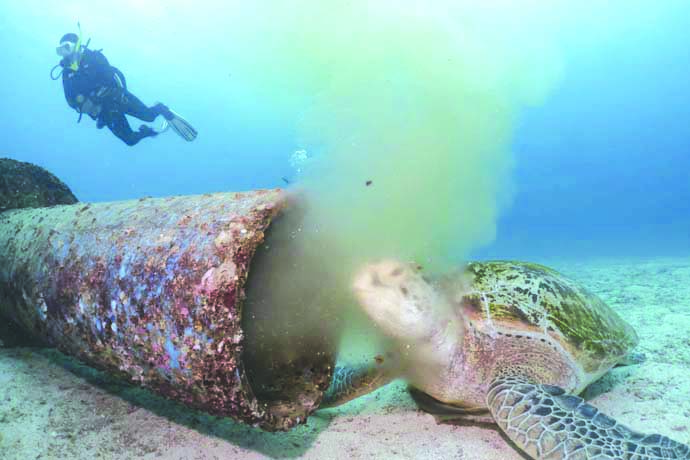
<point>94,87</point>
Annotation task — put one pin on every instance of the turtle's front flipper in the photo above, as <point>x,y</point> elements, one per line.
<point>548,423</point>
<point>350,382</point>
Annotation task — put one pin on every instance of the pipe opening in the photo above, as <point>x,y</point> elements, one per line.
<point>289,321</point>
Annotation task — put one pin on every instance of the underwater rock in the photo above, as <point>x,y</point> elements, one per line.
<point>153,290</point>
<point>24,185</point>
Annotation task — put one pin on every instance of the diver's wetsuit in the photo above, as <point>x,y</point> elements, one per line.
<point>93,89</point>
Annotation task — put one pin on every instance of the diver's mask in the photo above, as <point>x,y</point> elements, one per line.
<point>66,49</point>
<point>70,48</point>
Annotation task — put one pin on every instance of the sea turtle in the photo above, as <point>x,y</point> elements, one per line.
<point>513,342</point>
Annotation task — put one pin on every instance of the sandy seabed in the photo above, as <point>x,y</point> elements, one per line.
<point>54,408</point>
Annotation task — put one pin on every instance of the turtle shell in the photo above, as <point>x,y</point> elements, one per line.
<point>519,296</point>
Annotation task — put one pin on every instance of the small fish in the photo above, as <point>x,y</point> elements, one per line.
<point>368,183</point>
<point>285,180</point>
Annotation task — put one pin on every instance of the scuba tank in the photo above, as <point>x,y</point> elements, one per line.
<point>118,76</point>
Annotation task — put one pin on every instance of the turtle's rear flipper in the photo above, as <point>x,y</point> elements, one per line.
<point>444,412</point>
<point>548,423</point>
<point>632,358</point>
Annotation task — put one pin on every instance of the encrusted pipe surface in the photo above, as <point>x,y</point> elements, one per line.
<point>150,289</point>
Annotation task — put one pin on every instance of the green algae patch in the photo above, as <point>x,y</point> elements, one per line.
<point>24,185</point>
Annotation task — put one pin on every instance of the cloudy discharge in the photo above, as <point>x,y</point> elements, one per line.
<point>416,99</point>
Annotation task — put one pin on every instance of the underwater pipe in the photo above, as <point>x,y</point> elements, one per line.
<point>153,290</point>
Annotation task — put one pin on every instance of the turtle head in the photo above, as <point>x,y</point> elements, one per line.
<point>396,297</point>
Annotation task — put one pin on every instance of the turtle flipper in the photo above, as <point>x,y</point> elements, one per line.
<point>632,358</point>
<point>548,423</point>
<point>350,382</point>
<point>444,412</point>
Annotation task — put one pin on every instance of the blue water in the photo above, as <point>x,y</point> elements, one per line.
<point>602,167</point>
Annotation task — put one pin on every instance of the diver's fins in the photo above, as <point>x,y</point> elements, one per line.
<point>163,127</point>
<point>182,127</point>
